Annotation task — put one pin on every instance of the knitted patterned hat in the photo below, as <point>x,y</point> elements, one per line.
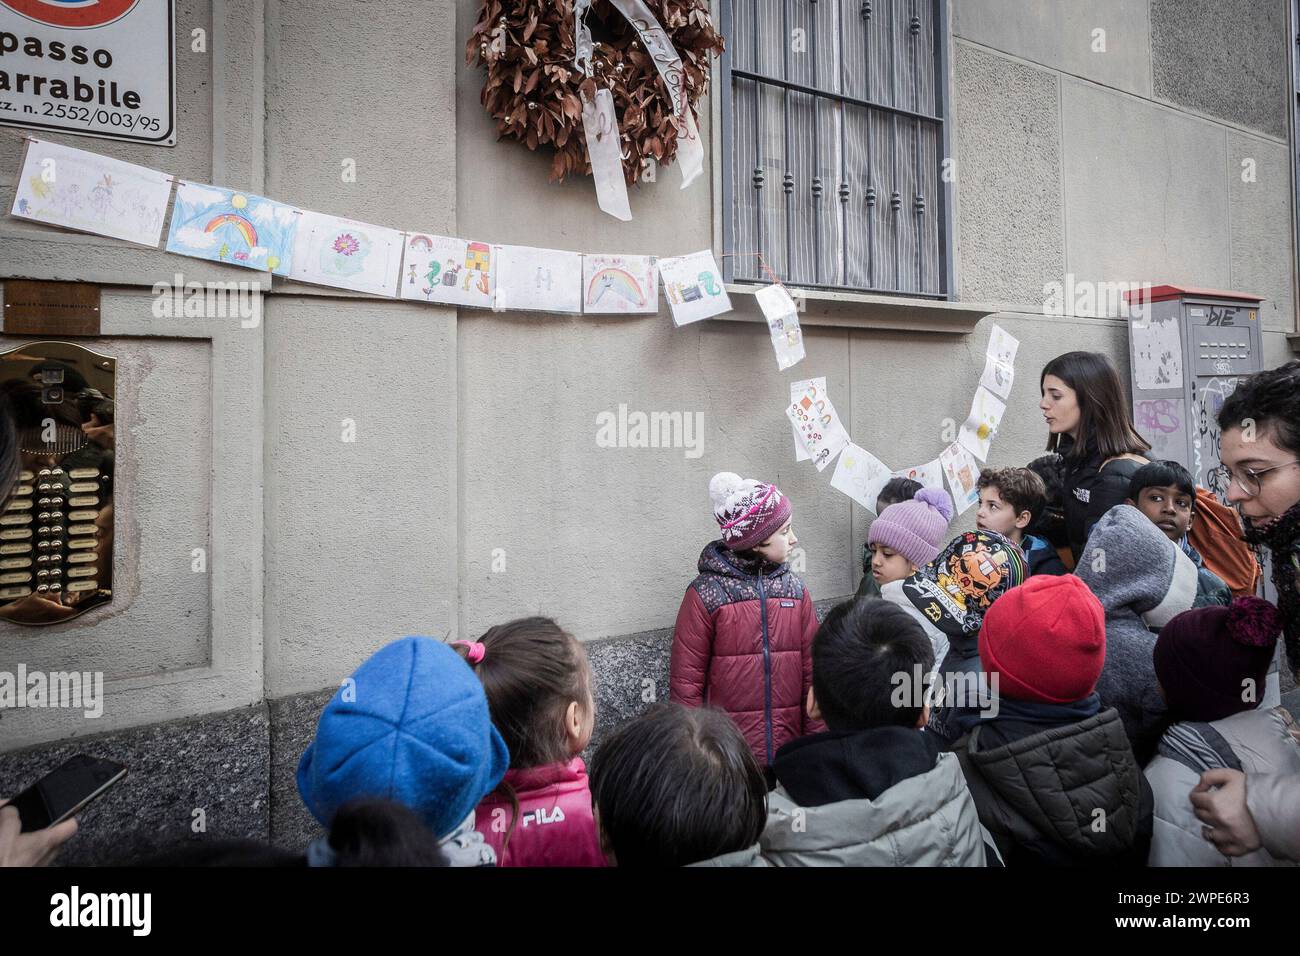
<point>1046,640</point>
<point>961,584</point>
<point>916,529</point>
<point>748,511</point>
<point>1205,658</point>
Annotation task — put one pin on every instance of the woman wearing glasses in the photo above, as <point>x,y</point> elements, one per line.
<point>1089,424</point>
<point>1260,451</point>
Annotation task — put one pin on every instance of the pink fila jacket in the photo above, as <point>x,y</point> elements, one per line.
<point>555,826</point>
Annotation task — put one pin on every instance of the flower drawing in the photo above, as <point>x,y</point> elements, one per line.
<point>346,244</point>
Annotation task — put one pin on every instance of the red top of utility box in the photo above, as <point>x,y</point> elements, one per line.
<point>1162,293</point>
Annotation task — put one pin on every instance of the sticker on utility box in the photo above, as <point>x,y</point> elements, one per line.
<point>94,67</point>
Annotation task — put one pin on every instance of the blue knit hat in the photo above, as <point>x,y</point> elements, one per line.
<point>412,726</point>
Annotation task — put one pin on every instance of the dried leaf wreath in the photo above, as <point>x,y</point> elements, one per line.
<point>532,87</point>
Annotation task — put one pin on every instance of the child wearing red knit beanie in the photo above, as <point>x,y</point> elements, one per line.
<point>1046,763</point>
<point>1210,665</point>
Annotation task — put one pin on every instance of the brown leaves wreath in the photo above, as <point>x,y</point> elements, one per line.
<point>533,87</point>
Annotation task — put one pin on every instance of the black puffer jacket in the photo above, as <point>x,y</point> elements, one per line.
<point>1039,795</point>
<point>1091,490</point>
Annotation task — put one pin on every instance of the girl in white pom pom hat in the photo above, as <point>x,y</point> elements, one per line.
<point>743,639</point>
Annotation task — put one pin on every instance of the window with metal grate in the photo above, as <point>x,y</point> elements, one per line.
<point>834,135</point>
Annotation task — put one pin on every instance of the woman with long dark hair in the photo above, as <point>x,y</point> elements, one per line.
<point>1090,426</point>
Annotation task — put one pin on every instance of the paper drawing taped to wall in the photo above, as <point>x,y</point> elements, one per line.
<point>241,229</point>
<point>447,270</point>
<point>693,287</point>
<point>860,475</point>
<point>538,280</point>
<point>620,284</point>
<point>62,186</point>
<point>346,254</point>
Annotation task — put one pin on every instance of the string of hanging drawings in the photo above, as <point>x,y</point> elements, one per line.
<point>87,192</point>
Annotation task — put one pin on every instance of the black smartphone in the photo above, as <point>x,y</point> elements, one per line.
<point>65,791</point>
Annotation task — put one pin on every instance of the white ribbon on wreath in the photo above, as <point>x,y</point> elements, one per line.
<point>600,124</point>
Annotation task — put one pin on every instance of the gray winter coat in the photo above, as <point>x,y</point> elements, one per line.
<point>926,820</point>
<point>1142,580</point>
<point>1255,742</point>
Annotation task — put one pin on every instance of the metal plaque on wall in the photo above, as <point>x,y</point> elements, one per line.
<point>56,527</point>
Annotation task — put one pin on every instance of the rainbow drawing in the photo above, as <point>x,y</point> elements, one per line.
<point>617,282</point>
<point>242,226</point>
<point>420,242</point>
<point>222,225</point>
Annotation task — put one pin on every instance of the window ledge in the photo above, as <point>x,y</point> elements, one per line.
<point>1294,339</point>
<point>856,310</point>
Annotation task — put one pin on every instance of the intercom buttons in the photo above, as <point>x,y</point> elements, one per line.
<point>56,586</point>
<point>80,544</point>
<point>82,515</point>
<point>21,577</point>
<point>80,529</point>
<point>19,504</point>
<point>15,519</point>
<point>15,534</point>
<point>7,564</point>
<point>22,491</point>
<point>11,593</point>
<point>84,501</point>
<point>78,487</point>
<point>82,572</point>
<point>23,548</point>
<point>81,558</point>
<point>77,473</point>
<point>83,585</point>
<point>25,476</point>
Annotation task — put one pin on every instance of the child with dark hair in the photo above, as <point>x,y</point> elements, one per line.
<point>875,788</point>
<point>743,637</point>
<point>1011,499</point>
<point>908,535</point>
<point>678,786</point>
<point>896,489</point>
<point>1052,763</point>
<point>1165,492</point>
<point>1211,665</point>
<point>538,686</point>
<point>363,833</point>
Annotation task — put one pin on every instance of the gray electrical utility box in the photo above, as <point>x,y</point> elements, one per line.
<point>1188,351</point>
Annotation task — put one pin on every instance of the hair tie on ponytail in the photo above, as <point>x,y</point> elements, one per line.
<point>475,648</point>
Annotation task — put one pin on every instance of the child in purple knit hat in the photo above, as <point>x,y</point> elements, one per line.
<point>908,535</point>
<point>743,639</point>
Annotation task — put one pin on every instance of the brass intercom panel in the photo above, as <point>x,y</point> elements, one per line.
<point>56,529</point>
